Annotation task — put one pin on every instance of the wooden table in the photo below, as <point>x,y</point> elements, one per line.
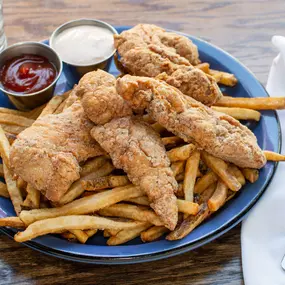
<point>243,28</point>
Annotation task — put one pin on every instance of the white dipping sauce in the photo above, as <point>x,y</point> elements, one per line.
<point>84,45</point>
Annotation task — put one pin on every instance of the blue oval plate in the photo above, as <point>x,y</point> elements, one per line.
<point>267,132</point>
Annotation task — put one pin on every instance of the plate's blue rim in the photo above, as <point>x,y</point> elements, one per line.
<point>170,252</point>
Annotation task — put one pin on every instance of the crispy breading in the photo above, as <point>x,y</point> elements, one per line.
<point>217,133</point>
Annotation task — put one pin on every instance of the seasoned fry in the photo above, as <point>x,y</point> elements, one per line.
<point>74,222</point>
<point>181,153</point>
<point>105,182</point>
<point>177,167</point>
<point>239,113</point>
<point>11,137</point>
<point>13,222</point>
<point>235,171</point>
<point>51,106</point>
<point>4,147</point>
<point>273,156</point>
<point>219,197</point>
<point>153,233</point>
<point>127,235</point>
<point>204,182</point>
<point>3,190</point>
<point>191,168</point>
<point>220,168</point>
<point>84,205</point>
<point>10,119</point>
<point>205,66</point>
<point>93,165</point>
<point>13,129</point>
<point>207,194</point>
<point>14,191</point>
<point>250,174</point>
<point>159,128</point>
<point>225,78</point>
<point>134,212</point>
<point>267,103</point>
<point>76,189</point>
<point>189,224</point>
<point>80,235</point>
<point>32,200</point>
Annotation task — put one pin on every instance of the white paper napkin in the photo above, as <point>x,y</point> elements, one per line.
<point>263,232</point>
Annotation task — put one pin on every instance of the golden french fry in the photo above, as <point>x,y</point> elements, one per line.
<point>235,171</point>
<point>207,194</point>
<point>51,106</point>
<point>204,66</point>
<point>143,200</point>
<point>171,141</point>
<point>86,205</point>
<point>69,236</point>
<point>250,174</point>
<point>21,184</point>
<point>71,98</point>
<point>76,188</point>
<point>157,127</point>
<point>4,148</point>
<point>113,232</point>
<point>153,233</point>
<point>239,113</point>
<point>9,119</point>
<point>127,235</point>
<point>230,195</point>
<point>34,114</point>
<point>93,165</point>
<point>13,129</point>
<point>11,137</point>
<point>181,153</point>
<point>191,168</point>
<point>14,191</point>
<point>267,103</point>
<point>32,200</point>
<point>13,222</point>
<point>3,190</point>
<point>106,233</point>
<point>105,182</point>
<point>1,170</point>
<point>222,77</point>
<point>220,168</point>
<point>74,222</point>
<point>80,235</point>
<point>133,212</point>
<point>219,197</point>
<point>148,119</point>
<point>91,233</point>
<point>273,156</point>
<point>14,112</point>
<point>189,224</point>
<point>205,181</point>
<point>177,167</point>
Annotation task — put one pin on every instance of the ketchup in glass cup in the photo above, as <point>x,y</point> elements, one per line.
<point>27,74</point>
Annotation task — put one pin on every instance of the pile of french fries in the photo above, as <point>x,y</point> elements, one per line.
<point>103,199</point>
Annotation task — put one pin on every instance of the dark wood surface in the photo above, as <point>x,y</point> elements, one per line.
<point>243,28</point>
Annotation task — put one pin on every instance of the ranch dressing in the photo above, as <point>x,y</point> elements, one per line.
<point>84,45</point>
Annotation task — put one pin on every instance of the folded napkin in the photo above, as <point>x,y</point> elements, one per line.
<point>263,232</point>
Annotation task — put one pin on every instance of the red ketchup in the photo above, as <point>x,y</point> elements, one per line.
<point>27,73</point>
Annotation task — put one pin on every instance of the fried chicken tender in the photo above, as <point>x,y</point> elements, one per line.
<point>99,97</point>
<point>147,50</point>
<point>216,133</point>
<point>137,149</point>
<point>47,154</point>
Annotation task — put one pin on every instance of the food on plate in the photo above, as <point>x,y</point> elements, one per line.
<point>273,156</point>
<point>153,233</point>
<point>27,73</point>
<point>216,133</point>
<point>48,153</point>
<point>105,182</point>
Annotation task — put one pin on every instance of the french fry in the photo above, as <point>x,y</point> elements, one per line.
<point>34,114</point>
<point>153,233</point>
<point>219,197</point>
<point>14,191</point>
<point>181,153</point>
<point>106,233</point>
<point>191,168</point>
<point>84,205</point>
<point>189,224</point>
<point>239,113</point>
<point>273,156</point>
<point>207,194</point>
<point>250,174</point>
<point>80,235</point>
<point>177,167</point>
<point>105,182</point>
<point>74,222</point>
<point>158,128</point>
<point>267,103</point>
<point>113,232</point>
<point>225,78</point>
<point>76,188</point>
<point>13,129</point>
<point>124,236</point>
<point>69,236</point>
<point>93,165</point>
<point>71,98</point>
<point>203,183</point>
<point>3,190</point>
<point>4,147</point>
<point>148,119</point>
<point>143,200</point>
<point>10,119</point>
<point>14,112</point>
<point>21,184</point>
<point>11,137</point>
<point>204,66</point>
<point>13,222</point>
<point>91,233</point>
<point>1,170</point>
<point>32,200</point>
<point>171,141</point>
<point>51,106</point>
<point>220,168</point>
<point>133,212</point>
<point>235,171</point>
